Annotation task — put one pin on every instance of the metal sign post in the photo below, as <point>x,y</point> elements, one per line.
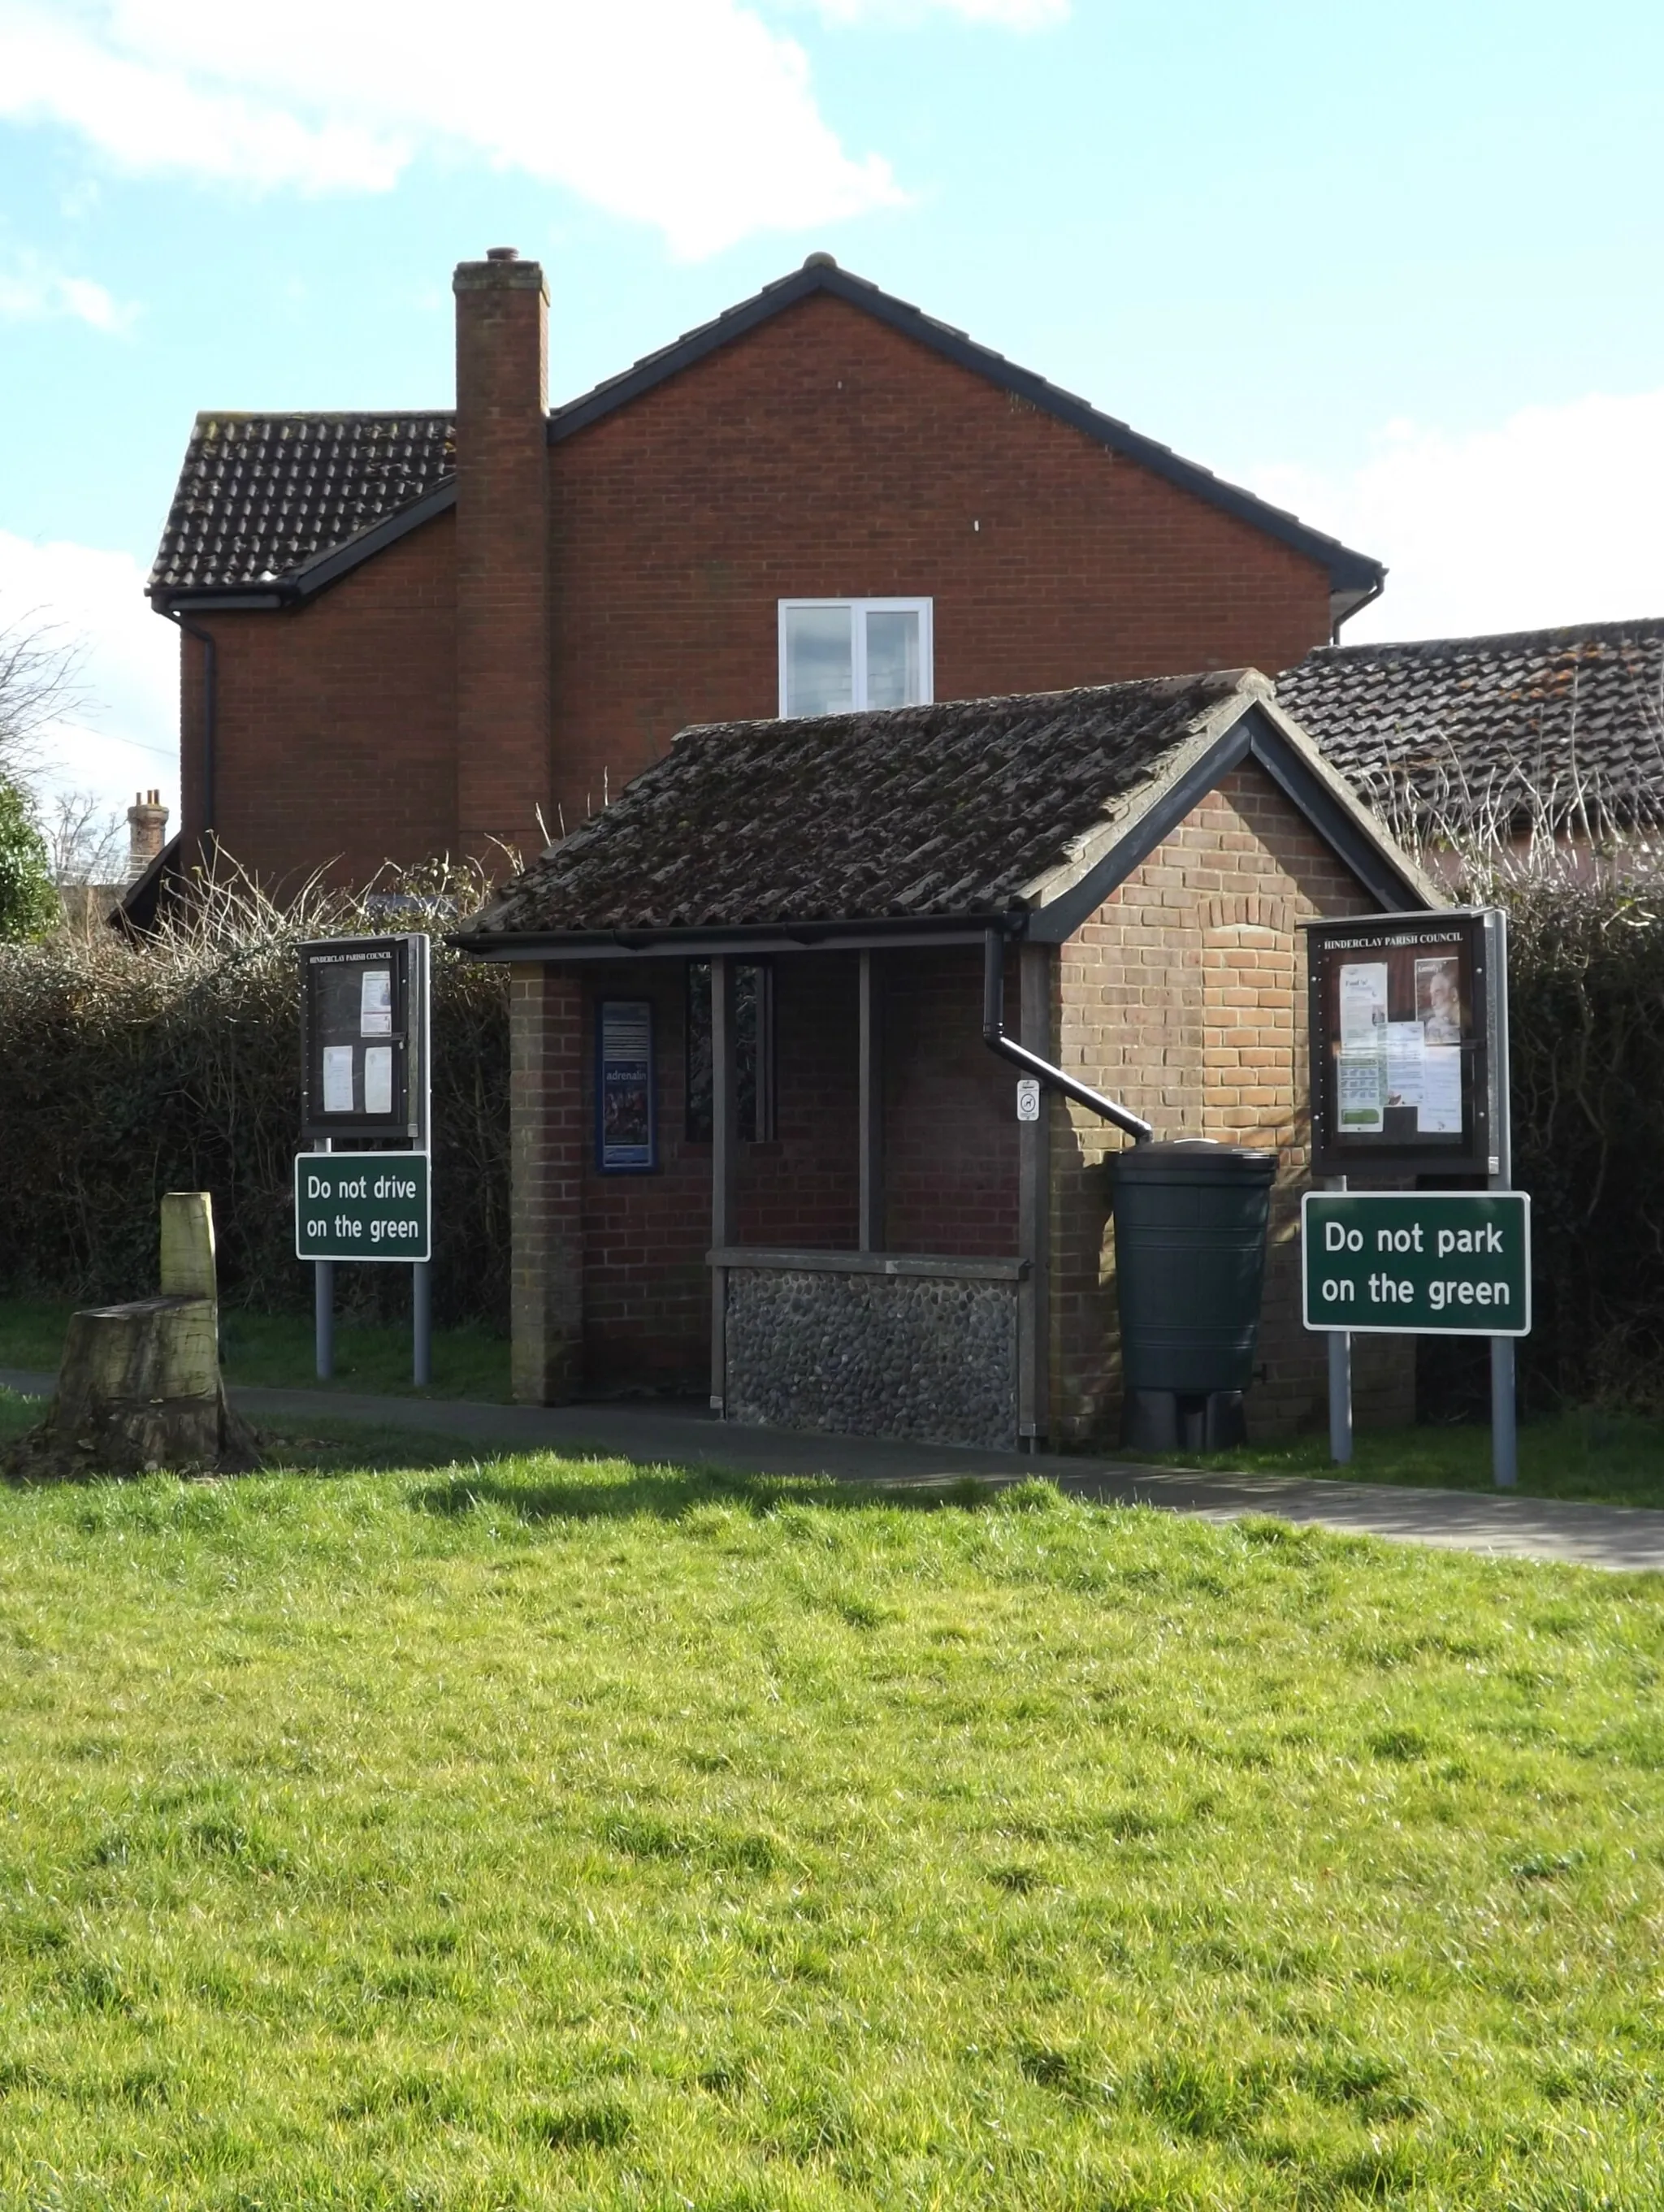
<point>1340,1381</point>
<point>366,1061</point>
<point>1409,1078</point>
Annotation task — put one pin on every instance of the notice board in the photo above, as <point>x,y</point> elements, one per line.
<point>1409,1042</point>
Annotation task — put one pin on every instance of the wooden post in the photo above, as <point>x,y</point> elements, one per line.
<point>724,1163</point>
<point>139,1387</point>
<point>1034,1209</point>
<point>871,1109</point>
<point>187,1246</point>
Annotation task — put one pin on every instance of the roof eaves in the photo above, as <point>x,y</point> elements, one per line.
<point>1349,572</point>
<point>1116,833</point>
<point>1335,793</point>
<point>322,569</point>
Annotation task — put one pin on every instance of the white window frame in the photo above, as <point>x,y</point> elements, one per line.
<point>925,609</point>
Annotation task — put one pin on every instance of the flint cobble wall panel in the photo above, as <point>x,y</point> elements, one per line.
<point>1184,996</point>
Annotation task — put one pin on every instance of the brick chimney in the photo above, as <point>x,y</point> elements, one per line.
<point>147,832</point>
<point>502,729</point>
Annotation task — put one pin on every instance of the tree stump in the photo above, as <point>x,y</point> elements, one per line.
<point>139,1387</point>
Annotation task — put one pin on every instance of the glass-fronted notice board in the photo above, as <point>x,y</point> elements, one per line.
<point>364,1039</point>
<point>1408,1015</point>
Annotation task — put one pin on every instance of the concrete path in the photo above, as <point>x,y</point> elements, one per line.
<point>1612,1536</point>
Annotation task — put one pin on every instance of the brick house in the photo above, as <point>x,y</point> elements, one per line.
<point>758,1130</point>
<point>408,634</point>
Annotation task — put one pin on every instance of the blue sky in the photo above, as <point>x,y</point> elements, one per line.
<point>1398,269</point>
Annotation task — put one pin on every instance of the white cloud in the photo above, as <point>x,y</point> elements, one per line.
<point>1551,517</point>
<point>32,293</point>
<point>690,115</point>
<point>123,736</point>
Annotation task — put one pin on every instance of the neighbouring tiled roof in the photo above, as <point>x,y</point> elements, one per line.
<point>1564,727</point>
<point>261,494</point>
<point>949,809</point>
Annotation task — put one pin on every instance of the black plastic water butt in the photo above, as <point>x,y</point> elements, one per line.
<point>1190,1267</point>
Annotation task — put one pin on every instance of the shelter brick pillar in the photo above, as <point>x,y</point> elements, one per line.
<point>502,731</point>
<point>546,1155</point>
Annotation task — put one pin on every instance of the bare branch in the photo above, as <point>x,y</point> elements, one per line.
<point>41,665</point>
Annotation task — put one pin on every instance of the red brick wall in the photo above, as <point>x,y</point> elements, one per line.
<point>826,455</point>
<point>823,455</point>
<point>546,1134</point>
<point>336,721</point>
<point>951,1131</point>
<point>1183,997</point>
<point>647,1297</point>
<point>501,539</point>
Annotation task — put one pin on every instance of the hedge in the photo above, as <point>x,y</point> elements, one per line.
<point>129,1069</point>
<point>172,1062</point>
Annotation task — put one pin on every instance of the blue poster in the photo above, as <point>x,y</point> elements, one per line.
<point>627,1134</point>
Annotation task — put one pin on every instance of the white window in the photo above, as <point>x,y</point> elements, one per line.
<point>840,656</point>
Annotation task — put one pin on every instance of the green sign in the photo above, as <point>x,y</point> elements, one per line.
<point>1420,1263</point>
<point>362,1206</point>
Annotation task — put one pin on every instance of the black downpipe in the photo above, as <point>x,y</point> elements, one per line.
<point>209,714</point>
<point>994,1036</point>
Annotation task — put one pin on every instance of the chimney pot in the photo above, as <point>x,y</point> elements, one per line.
<point>503,253</point>
<point>147,832</point>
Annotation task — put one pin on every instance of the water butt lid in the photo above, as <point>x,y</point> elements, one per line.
<point>1195,1160</point>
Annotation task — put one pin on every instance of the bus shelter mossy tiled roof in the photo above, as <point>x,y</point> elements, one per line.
<point>971,809</point>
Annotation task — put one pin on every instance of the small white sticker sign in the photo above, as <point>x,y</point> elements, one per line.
<point>1028,1098</point>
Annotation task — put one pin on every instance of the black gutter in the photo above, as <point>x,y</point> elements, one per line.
<point>210,713</point>
<point>994,1036</point>
<point>1357,607</point>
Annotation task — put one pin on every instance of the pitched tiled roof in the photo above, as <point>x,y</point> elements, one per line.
<point>260,495</point>
<point>1493,731</point>
<point>953,810</point>
<point>1353,577</point>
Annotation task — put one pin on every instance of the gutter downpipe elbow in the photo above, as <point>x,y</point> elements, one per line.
<point>209,714</point>
<point>994,1036</point>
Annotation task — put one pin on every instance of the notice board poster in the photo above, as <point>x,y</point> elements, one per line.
<point>626,1124</point>
<point>1405,1016</point>
<point>363,1030</point>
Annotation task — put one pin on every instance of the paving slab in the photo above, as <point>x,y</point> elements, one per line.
<point>1620,1538</point>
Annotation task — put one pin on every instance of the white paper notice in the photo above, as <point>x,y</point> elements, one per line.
<point>1363,1003</point>
<point>1440,1109</point>
<point>1360,1083</point>
<point>1404,1043</point>
<point>337,1078</point>
<point>378,1078</point>
<point>375,1004</point>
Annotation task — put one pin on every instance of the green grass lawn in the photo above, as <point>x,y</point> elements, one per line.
<point>536,1833</point>
<point>1614,1458</point>
<point>277,1349</point>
